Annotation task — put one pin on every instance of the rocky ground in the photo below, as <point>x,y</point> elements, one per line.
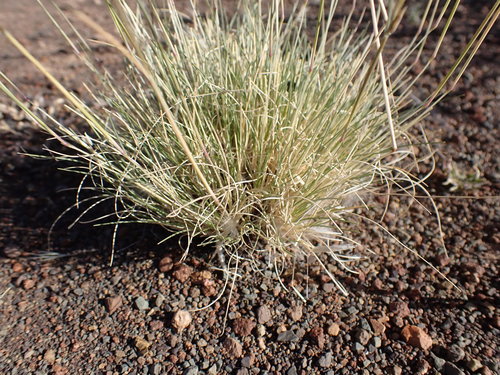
<point>76,314</point>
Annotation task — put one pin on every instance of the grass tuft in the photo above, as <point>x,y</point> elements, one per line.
<point>247,132</point>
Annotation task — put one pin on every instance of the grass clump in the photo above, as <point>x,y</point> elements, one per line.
<point>244,130</point>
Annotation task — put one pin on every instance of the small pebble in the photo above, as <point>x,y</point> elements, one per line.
<point>262,343</point>
<point>329,287</point>
<point>166,264</point>
<point>363,336</point>
<point>50,356</point>
<point>141,344</point>
<point>181,320</point>
<point>474,364</point>
<point>155,369</point>
<point>193,370</point>
<point>296,313</point>
<point>159,300</point>
<point>325,361</point>
<point>317,336</point>
<point>400,309</point>
<point>417,337</point>
<point>155,325</point>
<point>261,330</point>
<point>288,336</point>
<point>112,303</point>
<point>141,303</point>
<point>17,267</point>
<point>115,280</point>
<point>352,311</point>
<point>358,348</point>
<point>248,361</point>
<point>438,362</point>
<point>263,314</point>
<point>233,347</point>
<point>454,353</point>
<point>182,273</point>
<point>450,369</point>
<point>377,326</point>
<point>333,329</point>
<point>422,367</point>
<point>28,284</point>
<point>243,326</point>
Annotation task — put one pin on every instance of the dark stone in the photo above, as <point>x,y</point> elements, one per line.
<point>450,369</point>
<point>288,336</point>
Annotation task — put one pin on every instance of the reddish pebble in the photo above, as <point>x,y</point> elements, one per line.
<point>496,321</point>
<point>233,347</point>
<point>361,276</point>
<point>53,299</point>
<point>50,356</point>
<point>442,260</point>
<point>182,273</point>
<point>243,326</point>
<point>17,267</point>
<point>182,356</point>
<point>28,284</point>
<point>296,313</point>
<point>264,314</point>
<point>377,326</point>
<point>156,325</point>
<point>333,329</point>
<point>317,336</point>
<point>201,276</point>
<point>59,370</point>
<point>113,303</point>
<point>417,337</point>
<point>400,309</point>
<point>208,288</point>
<point>166,264</point>
<point>378,284</point>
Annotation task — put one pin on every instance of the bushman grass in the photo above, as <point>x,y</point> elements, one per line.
<point>246,132</point>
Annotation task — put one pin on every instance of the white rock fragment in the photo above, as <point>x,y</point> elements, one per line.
<point>181,319</point>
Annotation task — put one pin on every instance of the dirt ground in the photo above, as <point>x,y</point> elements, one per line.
<point>75,314</point>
